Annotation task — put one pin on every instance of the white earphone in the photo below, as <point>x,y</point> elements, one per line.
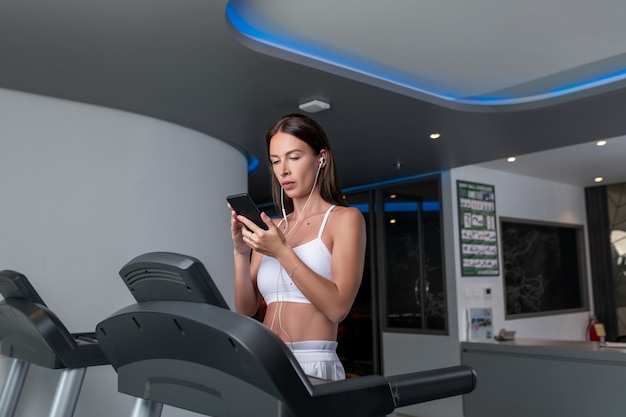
<point>279,310</point>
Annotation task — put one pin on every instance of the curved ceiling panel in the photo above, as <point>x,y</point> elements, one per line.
<point>562,50</point>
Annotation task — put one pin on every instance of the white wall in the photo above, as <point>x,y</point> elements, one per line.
<point>524,198</point>
<point>83,190</point>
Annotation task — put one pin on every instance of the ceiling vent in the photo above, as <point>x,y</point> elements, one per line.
<point>314,106</point>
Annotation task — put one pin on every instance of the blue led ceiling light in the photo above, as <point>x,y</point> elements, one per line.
<point>253,163</point>
<point>402,206</point>
<point>371,70</point>
<point>242,19</point>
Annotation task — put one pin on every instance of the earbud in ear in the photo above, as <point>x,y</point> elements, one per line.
<point>322,159</point>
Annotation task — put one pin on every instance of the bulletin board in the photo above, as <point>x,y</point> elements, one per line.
<point>477,229</point>
<point>543,268</point>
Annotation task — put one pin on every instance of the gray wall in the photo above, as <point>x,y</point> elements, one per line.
<point>83,190</point>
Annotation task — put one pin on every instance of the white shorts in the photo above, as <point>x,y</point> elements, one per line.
<point>318,358</point>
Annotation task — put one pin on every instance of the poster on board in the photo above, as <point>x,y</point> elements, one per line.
<point>477,228</point>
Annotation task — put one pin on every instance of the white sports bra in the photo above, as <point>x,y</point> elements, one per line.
<point>274,282</point>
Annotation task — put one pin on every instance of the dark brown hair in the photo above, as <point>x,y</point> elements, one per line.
<point>310,132</point>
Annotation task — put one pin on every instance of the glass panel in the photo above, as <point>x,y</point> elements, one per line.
<point>403,261</point>
<point>434,279</point>
<point>413,258</point>
<point>617,221</point>
<point>358,333</point>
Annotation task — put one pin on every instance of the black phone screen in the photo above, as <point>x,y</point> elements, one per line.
<point>244,205</point>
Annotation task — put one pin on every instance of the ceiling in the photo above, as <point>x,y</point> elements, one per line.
<point>493,79</point>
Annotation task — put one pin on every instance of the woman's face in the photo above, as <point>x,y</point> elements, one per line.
<point>294,164</point>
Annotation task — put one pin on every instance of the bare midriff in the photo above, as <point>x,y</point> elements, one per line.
<point>297,322</point>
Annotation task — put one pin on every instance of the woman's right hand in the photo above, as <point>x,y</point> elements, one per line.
<point>236,231</point>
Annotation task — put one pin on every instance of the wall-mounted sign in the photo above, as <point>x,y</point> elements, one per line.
<point>477,227</point>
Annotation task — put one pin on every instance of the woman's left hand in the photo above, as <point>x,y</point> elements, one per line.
<point>267,242</point>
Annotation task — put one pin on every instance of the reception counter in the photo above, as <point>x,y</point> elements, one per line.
<point>551,378</point>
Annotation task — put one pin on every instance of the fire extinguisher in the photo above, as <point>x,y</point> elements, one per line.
<point>595,330</point>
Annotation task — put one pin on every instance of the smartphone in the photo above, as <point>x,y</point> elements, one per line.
<point>243,205</point>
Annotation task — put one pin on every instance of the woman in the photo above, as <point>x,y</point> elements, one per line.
<point>308,265</point>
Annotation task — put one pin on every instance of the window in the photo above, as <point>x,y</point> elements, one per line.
<point>411,258</point>
<point>358,334</point>
<point>403,288</point>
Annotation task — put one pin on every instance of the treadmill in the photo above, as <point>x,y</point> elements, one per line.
<point>30,333</point>
<point>181,345</point>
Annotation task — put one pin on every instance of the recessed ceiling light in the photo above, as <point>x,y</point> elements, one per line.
<point>392,221</point>
<point>314,106</point>
<point>435,135</point>
<point>598,179</point>
<point>511,159</point>
<point>601,143</point>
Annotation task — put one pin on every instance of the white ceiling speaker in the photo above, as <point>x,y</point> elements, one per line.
<point>314,106</point>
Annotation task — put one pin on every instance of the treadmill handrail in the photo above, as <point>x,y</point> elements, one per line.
<point>422,386</point>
